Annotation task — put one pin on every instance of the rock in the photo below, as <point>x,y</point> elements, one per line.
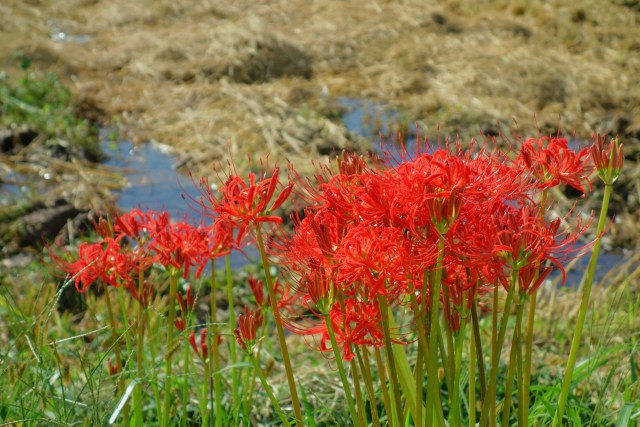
<point>44,224</point>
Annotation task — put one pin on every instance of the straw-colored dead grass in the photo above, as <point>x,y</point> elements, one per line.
<point>215,78</point>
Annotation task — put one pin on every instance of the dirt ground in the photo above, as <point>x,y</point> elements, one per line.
<point>219,79</point>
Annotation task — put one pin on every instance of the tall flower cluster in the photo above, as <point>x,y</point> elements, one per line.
<point>375,236</point>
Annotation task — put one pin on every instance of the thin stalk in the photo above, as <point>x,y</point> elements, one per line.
<point>472,381</point>
<point>267,389</point>
<point>584,304</point>
<point>449,363</point>
<point>139,352</point>
<point>214,360</point>
<point>526,379</point>
<point>206,393</point>
<point>421,362</point>
<point>185,388</point>
<point>528,349</point>
<point>365,369</point>
<point>360,404</point>
<point>418,376</point>
<point>393,374</point>
<point>341,370</point>
<point>232,325</point>
<point>456,409</point>
<point>494,355</point>
<point>154,372</point>
<point>116,349</point>
<point>488,409</point>
<point>173,287</point>
<point>434,295</point>
<point>382,369</point>
<point>246,403</point>
<point>511,370</point>
<point>283,343</point>
<point>522,421</point>
<point>478,348</point>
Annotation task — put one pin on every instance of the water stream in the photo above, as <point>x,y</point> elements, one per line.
<point>154,183</point>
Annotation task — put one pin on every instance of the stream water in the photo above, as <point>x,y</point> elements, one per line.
<point>154,183</point>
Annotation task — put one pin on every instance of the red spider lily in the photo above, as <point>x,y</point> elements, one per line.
<point>372,262</point>
<point>181,246</point>
<point>246,332</point>
<point>444,211</point>
<point>319,290</point>
<point>257,288</point>
<point>180,323</point>
<point>187,301</point>
<point>201,348</point>
<point>246,203</point>
<point>140,225</point>
<point>552,163</point>
<point>525,239</point>
<point>219,238</point>
<point>112,368</point>
<point>359,323</point>
<point>104,261</point>
<point>607,158</point>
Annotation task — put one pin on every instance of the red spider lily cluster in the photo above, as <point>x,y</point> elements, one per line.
<point>375,236</point>
<point>131,243</point>
<point>137,240</point>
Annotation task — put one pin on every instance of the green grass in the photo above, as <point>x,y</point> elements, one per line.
<point>53,364</point>
<point>43,103</point>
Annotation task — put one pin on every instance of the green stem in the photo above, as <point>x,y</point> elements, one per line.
<point>283,343</point>
<point>341,370</point>
<point>488,405</point>
<point>383,386</point>
<point>232,325</point>
<point>214,360</point>
<point>513,362</point>
<point>173,287</point>
<point>584,304</point>
<point>393,374</point>
<point>456,409</point>
<point>139,352</point>
<point>472,381</point>
<point>206,393</point>
<point>432,368</point>
<point>528,349</point>
<point>478,348</point>
<point>360,404</point>
<point>269,392</point>
<point>365,369</point>
<point>449,363</point>
<point>185,388</point>
<point>116,348</point>
<point>154,372</point>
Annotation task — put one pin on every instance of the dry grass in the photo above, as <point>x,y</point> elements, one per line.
<point>213,78</point>
<point>220,80</point>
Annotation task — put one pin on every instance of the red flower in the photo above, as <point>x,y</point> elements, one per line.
<point>181,246</point>
<point>246,332</point>
<point>257,288</point>
<point>104,261</point>
<point>607,158</point>
<point>201,348</point>
<point>245,203</point>
<point>552,163</point>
